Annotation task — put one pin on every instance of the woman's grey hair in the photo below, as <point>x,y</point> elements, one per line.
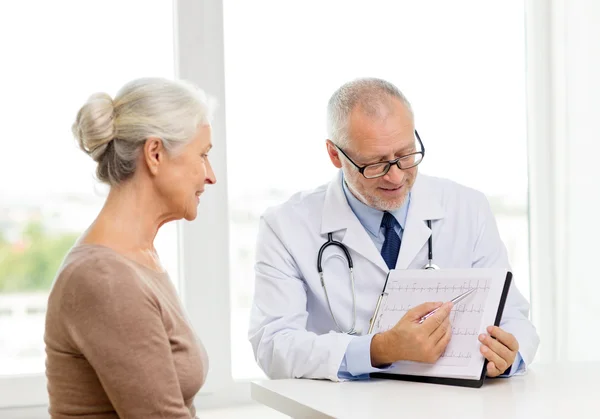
<point>113,131</point>
<point>370,93</point>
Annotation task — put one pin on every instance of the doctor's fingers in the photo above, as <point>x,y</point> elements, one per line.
<point>432,323</point>
<point>506,338</point>
<point>498,347</point>
<point>419,311</point>
<point>440,332</point>
<point>440,346</point>
<point>496,365</point>
<point>492,371</point>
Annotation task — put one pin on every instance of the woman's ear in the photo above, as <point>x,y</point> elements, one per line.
<point>154,154</point>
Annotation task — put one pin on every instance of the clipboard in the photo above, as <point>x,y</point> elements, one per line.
<point>472,381</point>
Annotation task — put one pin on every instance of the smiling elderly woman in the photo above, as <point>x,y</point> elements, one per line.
<point>117,341</point>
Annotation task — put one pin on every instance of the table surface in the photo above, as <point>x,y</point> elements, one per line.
<point>561,390</point>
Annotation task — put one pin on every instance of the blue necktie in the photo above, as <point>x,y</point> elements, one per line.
<point>391,245</point>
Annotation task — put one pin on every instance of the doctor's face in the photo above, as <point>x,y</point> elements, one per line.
<point>373,138</point>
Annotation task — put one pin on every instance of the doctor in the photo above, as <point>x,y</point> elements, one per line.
<point>382,213</point>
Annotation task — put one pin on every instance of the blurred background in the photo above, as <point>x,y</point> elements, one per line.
<point>504,95</point>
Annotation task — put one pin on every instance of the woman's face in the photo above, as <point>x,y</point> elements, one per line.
<point>184,175</point>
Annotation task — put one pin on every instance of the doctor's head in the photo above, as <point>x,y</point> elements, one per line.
<point>370,123</point>
<point>152,141</point>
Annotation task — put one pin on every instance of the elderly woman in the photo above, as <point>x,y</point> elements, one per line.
<point>117,340</point>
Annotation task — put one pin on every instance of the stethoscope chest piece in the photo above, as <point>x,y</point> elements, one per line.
<point>430,264</point>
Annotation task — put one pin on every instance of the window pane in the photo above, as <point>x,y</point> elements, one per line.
<point>462,68</point>
<point>53,58</point>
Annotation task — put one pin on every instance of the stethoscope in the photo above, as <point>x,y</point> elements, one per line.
<point>331,242</point>
<point>430,264</point>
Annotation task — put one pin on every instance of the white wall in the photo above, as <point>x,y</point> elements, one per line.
<point>582,179</point>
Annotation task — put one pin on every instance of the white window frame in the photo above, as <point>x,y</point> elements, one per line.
<point>204,243</point>
<point>547,140</point>
<point>199,56</point>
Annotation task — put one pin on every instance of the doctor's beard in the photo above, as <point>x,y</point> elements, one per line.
<point>375,201</point>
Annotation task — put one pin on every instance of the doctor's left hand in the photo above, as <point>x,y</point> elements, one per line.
<point>500,352</point>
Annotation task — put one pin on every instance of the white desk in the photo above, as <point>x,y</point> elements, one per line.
<point>546,391</point>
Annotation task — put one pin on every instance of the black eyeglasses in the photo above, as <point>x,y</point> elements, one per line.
<point>375,170</point>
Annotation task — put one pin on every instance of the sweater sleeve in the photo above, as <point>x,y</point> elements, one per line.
<point>115,320</point>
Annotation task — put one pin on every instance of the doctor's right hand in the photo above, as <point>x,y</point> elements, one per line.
<point>410,341</point>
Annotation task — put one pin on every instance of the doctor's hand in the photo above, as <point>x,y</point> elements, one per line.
<point>410,341</point>
<point>500,352</point>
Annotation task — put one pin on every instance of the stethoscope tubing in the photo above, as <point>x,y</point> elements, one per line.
<point>331,242</point>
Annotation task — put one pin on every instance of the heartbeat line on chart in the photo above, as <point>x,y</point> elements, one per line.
<point>461,308</point>
<point>455,354</point>
<point>481,285</point>
<point>462,331</point>
<point>456,331</point>
<point>395,308</point>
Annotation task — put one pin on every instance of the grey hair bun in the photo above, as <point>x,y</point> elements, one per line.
<point>94,127</point>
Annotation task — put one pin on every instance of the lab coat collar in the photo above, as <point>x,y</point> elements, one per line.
<point>338,217</point>
<point>424,205</point>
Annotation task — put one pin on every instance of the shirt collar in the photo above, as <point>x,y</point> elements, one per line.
<point>369,217</point>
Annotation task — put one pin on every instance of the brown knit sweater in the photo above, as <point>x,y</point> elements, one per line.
<point>117,341</point>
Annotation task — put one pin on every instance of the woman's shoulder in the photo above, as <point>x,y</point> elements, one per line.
<point>93,261</point>
<point>91,274</point>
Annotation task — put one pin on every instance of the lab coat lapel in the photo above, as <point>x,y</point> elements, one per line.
<point>339,217</point>
<point>423,206</point>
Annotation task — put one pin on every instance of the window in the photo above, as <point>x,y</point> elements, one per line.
<point>53,58</point>
<point>462,67</point>
<point>460,63</point>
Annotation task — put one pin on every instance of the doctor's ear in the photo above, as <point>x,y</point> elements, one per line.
<point>334,154</point>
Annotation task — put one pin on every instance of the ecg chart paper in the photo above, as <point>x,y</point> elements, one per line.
<point>470,317</point>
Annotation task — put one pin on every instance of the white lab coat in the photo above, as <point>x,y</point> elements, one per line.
<point>291,329</point>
